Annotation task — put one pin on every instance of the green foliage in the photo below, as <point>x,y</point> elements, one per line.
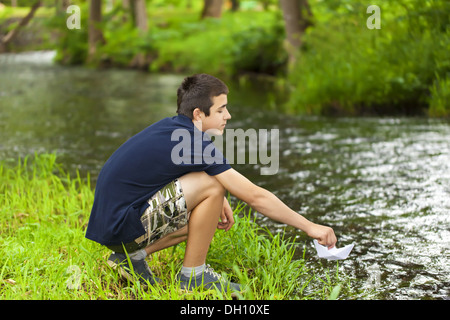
<point>354,70</point>
<point>258,50</point>
<point>179,41</point>
<point>72,46</point>
<point>122,40</point>
<point>439,101</point>
<point>237,43</point>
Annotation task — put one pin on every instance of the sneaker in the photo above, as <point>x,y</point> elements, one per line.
<point>208,279</point>
<point>139,268</point>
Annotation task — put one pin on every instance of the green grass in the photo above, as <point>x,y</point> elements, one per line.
<point>44,254</point>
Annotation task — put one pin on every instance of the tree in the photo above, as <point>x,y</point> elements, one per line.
<point>139,12</point>
<point>212,8</point>
<point>297,17</point>
<point>95,36</point>
<point>13,33</point>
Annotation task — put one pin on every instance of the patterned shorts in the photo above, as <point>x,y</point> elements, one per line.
<point>166,214</point>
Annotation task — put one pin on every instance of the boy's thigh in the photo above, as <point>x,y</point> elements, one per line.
<point>197,186</point>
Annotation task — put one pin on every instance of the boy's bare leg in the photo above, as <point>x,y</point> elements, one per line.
<point>202,226</point>
<point>169,240</point>
<point>204,198</point>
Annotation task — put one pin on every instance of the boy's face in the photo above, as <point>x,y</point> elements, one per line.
<point>217,119</point>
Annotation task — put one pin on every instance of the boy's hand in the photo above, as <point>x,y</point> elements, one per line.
<point>324,235</point>
<point>226,217</point>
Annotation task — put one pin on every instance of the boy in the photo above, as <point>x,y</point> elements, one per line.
<point>147,198</point>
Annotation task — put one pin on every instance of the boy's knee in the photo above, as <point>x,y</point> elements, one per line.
<point>213,186</point>
<point>218,189</point>
<point>197,186</point>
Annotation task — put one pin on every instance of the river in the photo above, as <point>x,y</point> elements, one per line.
<point>382,183</point>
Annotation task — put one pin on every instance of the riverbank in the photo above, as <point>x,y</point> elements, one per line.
<point>44,255</point>
<point>380,182</point>
<point>343,68</point>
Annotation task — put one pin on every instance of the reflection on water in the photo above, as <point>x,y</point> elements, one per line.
<point>80,113</point>
<point>383,183</point>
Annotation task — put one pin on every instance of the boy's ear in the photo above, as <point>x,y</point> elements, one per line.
<point>196,114</point>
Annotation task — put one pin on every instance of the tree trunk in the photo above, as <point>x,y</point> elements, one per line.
<point>212,8</point>
<point>126,7</point>
<point>140,60</point>
<point>140,12</point>
<point>65,4</point>
<point>95,33</point>
<point>13,33</point>
<point>297,17</point>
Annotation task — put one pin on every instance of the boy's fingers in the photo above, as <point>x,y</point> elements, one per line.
<point>328,239</point>
<point>223,217</point>
<point>223,221</point>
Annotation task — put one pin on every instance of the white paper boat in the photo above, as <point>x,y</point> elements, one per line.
<point>333,253</point>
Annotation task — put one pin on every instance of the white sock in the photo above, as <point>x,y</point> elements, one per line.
<point>195,271</point>
<point>138,255</point>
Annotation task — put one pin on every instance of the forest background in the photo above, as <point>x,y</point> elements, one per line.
<point>336,57</point>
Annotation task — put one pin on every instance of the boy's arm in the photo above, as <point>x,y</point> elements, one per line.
<point>269,205</point>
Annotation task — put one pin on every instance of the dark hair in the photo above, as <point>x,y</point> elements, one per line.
<point>197,91</point>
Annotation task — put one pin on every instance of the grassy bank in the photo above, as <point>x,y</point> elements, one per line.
<point>44,254</point>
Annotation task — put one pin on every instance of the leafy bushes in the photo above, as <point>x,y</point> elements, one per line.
<point>237,43</point>
<point>258,50</point>
<point>178,42</point>
<point>346,68</point>
<point>439,100</point>
<point>72,46</point>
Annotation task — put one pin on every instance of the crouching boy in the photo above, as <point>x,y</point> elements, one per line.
<point>149,196</point>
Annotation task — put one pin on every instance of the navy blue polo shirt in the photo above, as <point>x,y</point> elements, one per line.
<point>139,168</point>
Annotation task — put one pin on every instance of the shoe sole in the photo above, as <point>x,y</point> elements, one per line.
<point>234,294</point>
<point>121,271</point>
<point>124,273</point>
